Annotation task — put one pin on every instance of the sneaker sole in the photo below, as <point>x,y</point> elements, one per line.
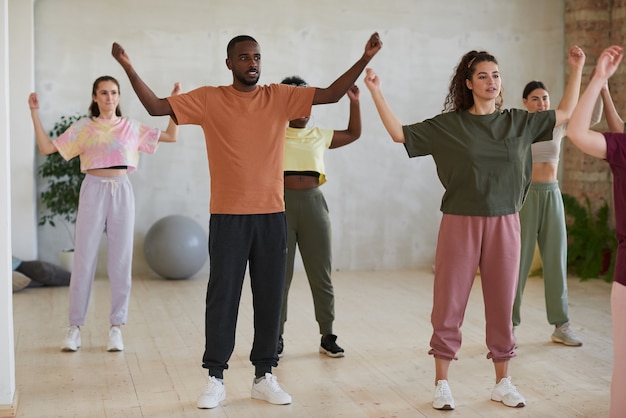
<point>560,341</point>
<point>114,349</point>
<point>260,396</point>
<point>446,407</point>
<point>519,405</point>
<point>211,406</point>
<point>70,349</point>
<point>322,350</point>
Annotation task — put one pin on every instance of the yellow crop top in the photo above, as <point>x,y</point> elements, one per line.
<point>304,150</point>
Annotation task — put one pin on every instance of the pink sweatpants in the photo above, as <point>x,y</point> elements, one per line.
<point>618,382</point>
<point>105,205</point>
<point>464,244</point>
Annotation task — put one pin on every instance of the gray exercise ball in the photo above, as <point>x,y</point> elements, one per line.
<point>176,247</point>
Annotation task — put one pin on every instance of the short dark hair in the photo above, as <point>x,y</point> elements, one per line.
<point>533,85</point>
<point>294,80</point>
<point>235,41</point>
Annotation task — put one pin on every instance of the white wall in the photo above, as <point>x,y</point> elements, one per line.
<point>7,354</point>
<point>384,206</point>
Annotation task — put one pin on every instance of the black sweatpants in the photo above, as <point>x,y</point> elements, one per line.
<point>237,241</point>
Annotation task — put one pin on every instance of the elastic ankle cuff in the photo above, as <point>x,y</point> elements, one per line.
<point>260,371</point>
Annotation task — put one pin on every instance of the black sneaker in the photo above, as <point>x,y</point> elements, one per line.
<point>329,346</point>
<point>280,346</point>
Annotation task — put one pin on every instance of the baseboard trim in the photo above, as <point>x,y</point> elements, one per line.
<point>8,411</point>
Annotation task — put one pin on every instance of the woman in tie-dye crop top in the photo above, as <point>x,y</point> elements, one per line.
<point>108,146</point>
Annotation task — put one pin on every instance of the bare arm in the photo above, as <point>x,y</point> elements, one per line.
<point>615,122</point>
<point>44,143</point>
<point>341,138</point>
<point>576,60</point>
<point>171,133</point>
<point>154,105</point>
<point>390,120</point>
<point>339,87</point>
<point>598,110</point>
<point>588,141</point>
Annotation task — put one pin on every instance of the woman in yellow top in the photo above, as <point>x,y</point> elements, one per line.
<point>308,223</point>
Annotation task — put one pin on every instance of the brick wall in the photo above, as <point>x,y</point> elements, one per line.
<point>593,25</point>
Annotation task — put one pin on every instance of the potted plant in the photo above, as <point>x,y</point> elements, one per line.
<point>592,244</point>
<point>62,188</point>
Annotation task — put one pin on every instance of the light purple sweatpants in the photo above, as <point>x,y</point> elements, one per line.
<point>105,205</point>
<point>464,244</point>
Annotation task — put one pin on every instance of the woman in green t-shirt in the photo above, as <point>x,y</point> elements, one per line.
<point>482,153</point>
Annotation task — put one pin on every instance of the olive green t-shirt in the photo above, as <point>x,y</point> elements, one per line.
<point>483,161</point>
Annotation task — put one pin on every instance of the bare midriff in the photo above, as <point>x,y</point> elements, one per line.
<point>544,172</point>
<point>107,172</point>
<point>298,182</point>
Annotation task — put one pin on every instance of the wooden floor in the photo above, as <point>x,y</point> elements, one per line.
<point>382,323</point>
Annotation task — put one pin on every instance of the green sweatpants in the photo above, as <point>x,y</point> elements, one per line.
<point>542,220</point>
<point>308,227</point>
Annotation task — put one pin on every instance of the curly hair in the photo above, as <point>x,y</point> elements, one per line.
<point>459,96</point>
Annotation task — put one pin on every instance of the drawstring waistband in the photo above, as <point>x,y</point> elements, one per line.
<point>114,185</point>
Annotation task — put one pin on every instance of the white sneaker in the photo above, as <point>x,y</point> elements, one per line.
<point>267,389</point>
<point>213,394</point>
<point>115,340</point>
<point>563,334</point>
<point>506,393</point>
<point>71,342</point>
<point>443,396</point>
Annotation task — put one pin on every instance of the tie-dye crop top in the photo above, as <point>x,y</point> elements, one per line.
<point>103,143</point>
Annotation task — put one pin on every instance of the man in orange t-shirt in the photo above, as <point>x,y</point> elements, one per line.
<point>244,127</point>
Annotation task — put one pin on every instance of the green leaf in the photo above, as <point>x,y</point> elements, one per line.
<point>590,239</point>
<point>62,181</point>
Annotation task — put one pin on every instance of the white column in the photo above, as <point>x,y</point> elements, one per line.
<point>23,180</point>
<point>7,354</point>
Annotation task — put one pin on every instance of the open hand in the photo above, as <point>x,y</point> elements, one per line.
<point>609,61</point>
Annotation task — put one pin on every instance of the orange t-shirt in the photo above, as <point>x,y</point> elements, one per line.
<point>245,138</point>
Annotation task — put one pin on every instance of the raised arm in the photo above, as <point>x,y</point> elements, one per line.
<point>576,61</point>
<point>345,137</point>
<point>171,133</point>
<point>44,143</point>
<point>339,87</point>
<point>390,120</point>
<point>154,105</point>
<point>578,131</point>
<point>615,122</point>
